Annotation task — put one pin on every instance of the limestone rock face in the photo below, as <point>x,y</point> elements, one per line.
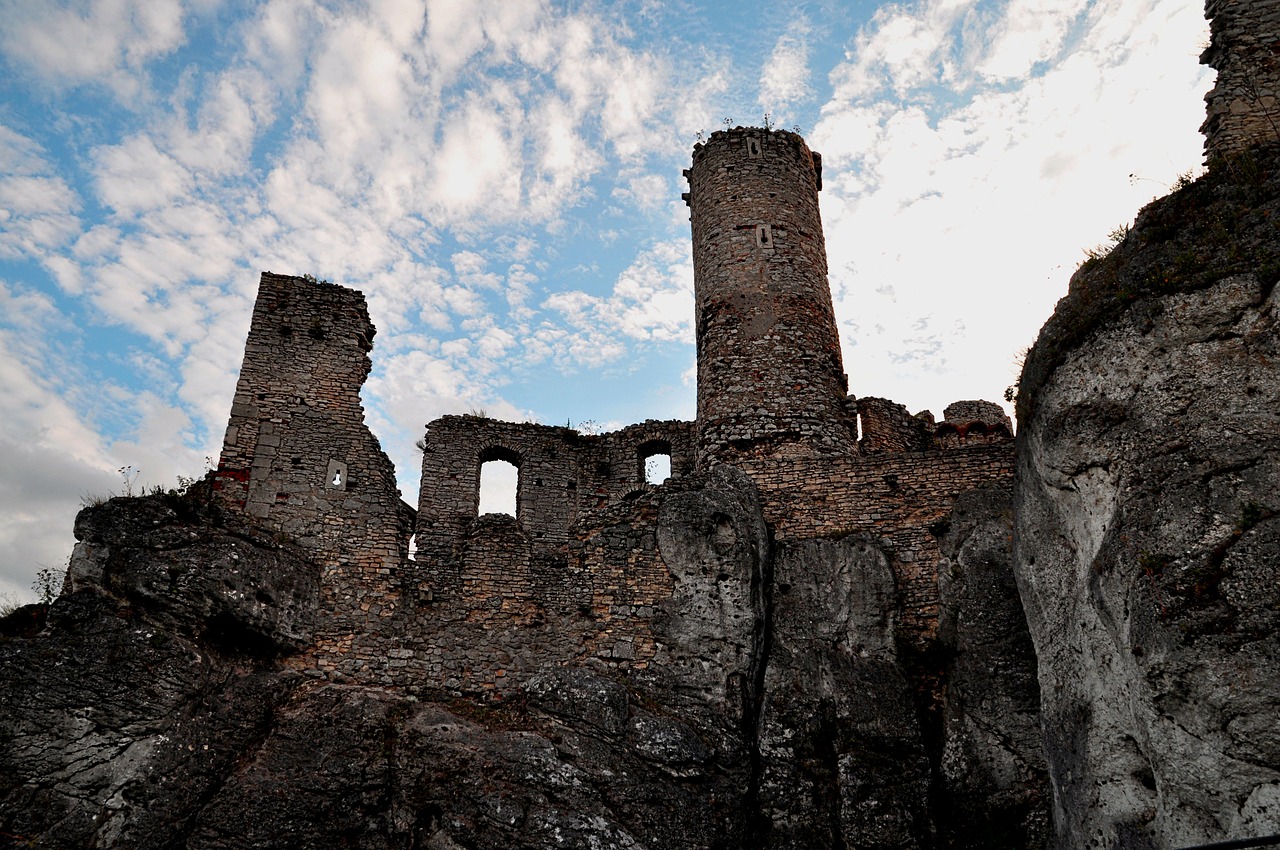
<point>843,762</point>
<point>155,672</point>
<point>992,762</point>
<point>1147,532</point>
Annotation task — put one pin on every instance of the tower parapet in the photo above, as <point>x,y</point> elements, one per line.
<point>770,379</point>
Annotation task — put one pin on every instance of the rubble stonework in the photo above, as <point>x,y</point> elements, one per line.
<point>1243,107</point>
<point>298,457</point>
<point>770,380</point>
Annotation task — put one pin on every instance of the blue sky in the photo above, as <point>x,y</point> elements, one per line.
<point>502,180</point>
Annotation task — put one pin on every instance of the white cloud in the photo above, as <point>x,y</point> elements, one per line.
<point>105,41</point>
<point>51,455</point>
<point>784,80</point>
<point>136,176</point>
<point>37,207</point>
<point>277,40</point>
<point>903,48</point>
<point>652,300</point>
<point>977,211</point>
<point>1029,32</point>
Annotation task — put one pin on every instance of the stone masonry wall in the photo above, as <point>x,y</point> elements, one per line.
<point>298,457</point>
<point>573,576</point>
<point>968,423</point>
<point>888,427</point>
<point>582,578</point>
<point>898,498</point>
<point>769,367</point>
<point>562,474</point>
<point>1242,108</point>
<point>513,607</point>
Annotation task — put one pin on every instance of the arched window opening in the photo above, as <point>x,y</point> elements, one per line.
<point>655,461</point>
<point>499,482</point>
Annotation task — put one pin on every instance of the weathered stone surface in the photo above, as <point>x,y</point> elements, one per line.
<point>244,587</point>
<point>842,760</point>
<point>160,706</point>
<point>994,780</point>
<point>150,678</point>
<point>1148,467</point>
<point>712,628</point>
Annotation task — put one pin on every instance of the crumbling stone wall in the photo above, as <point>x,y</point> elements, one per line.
<point>898,498</point>
<point>888,427</point>
<point>967,423</point>
<point>1243,109</point>
<point>574,575</point>
<point>298,457</point>
<point>511,607</point>
<point>770,379</point>
<point>562,474</point>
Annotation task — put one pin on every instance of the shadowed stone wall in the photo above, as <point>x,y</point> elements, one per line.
<point>298,457</point>
<point>1242,108</point>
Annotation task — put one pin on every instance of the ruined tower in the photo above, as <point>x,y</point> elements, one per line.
<point>770,380</point>
<point>1243,107</point>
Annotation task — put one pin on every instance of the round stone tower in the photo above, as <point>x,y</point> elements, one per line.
<point>770,380</point>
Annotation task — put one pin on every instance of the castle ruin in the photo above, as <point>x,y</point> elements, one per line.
<point>577,574</point>
<point>836,624</point>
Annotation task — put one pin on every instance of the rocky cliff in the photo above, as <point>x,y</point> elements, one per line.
<point>1147,530</point>
<point>166,701</point>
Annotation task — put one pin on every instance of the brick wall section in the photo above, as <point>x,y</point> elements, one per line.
<point>296,428</point>
<point>894,496</point>
<point>1244,48</point>
<point>889,427</point>
<point>770,379</point>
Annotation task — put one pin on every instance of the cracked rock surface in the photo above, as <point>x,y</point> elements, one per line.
<point>1147,533</point>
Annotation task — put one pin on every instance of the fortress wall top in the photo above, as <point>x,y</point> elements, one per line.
<point>988,413</point>
<point>1244,48</point>
<point>888,427</point>
<point>770,379</point>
